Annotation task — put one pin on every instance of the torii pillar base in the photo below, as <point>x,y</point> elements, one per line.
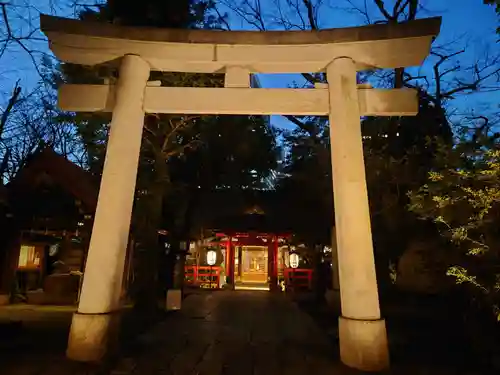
<point>93,336</point>
<point>363,344</point>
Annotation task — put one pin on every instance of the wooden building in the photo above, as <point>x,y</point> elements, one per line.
<point>51,203</point>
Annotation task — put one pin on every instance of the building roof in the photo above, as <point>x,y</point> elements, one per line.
<point>242,211</point>
<point>72,178</point>
<point>253,222</point>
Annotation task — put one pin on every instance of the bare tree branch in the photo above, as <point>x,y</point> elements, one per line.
<point>10,105</point>
<point>362,11</point>
<point>222,18</point>
<point>310,14</point>
<point>381,6</point>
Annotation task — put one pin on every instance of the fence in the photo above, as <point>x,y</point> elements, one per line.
<point>205,277</point>
<point>298,278</point>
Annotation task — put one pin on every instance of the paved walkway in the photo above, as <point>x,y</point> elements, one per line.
<point>240,333</point>
<point>219,333</point>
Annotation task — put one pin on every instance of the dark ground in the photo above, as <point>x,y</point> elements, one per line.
<point>33,339</point>
<point>225,333</point>
<point>215,333</point>
<point>426,335</point>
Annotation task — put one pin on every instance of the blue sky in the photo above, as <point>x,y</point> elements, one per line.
<point>467,23</point>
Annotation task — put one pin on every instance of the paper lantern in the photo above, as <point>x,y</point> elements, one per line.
<point>211,257</point>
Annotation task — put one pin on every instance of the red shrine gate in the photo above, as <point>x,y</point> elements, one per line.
<point>246,261</point>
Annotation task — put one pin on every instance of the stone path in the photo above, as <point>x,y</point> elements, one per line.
<point>240,333</point>
<point>219,333</point>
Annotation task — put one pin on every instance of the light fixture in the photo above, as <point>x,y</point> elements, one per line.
<point>294,260</point>
<point>53,249</point>
<point>211,257</point>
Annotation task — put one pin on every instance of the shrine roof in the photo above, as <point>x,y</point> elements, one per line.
<point>68,175</point>
<point>261,223</point>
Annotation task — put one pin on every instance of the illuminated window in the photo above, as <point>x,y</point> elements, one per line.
<point>29,257</point>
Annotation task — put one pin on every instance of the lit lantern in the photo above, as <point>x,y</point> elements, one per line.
<point>294,260</point>
<point>211,257</point>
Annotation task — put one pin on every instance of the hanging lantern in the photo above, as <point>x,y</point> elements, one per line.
<point>294,260</point>
<point>211,257</point>
<point>54,249</point>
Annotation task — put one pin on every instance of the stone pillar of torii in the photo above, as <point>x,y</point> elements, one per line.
<point>341,53</point>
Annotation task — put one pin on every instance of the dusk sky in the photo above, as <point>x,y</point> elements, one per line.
<point>466,23</point>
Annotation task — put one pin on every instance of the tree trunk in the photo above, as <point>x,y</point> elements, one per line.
<point>178,274</point>
<point>150,253</point>
<point>319,276</point>
<point>177,260</point>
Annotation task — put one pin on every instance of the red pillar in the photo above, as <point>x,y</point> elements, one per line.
<point>275,248</point>
<point>230,261</point>
<point>228,257</point>
<point>270,262</point>
<point>276,260</point>
<point>273,262</point>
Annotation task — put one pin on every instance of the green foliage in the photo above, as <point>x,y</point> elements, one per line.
<point>496,4</point>
<point>234,152</point>
<point>398,152</point>
<point>462,196</point>
<point>393,272</point>
<point>307,180</point>
<point>183,14</point>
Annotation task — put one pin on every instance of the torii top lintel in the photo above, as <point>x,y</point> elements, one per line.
<point>209,51</point>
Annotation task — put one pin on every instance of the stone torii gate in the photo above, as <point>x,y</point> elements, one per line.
<point>138,51</point>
